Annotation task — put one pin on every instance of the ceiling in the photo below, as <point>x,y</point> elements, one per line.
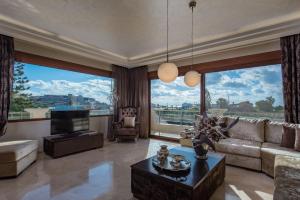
<point>133,32</point>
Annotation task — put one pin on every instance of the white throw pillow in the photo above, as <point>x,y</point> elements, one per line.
<point>129,122</point>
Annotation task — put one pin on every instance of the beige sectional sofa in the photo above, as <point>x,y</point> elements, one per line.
<point>254,144</point>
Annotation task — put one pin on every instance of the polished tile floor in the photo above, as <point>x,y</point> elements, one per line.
<point>105,174</point>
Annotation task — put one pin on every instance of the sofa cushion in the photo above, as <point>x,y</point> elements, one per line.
<point>247,129</point>
<point>12,151</point>
<point>243,161</point>
<point>288,136</point>
<point>129,122</point>
<point>273,132</point>
<point>239,147</point>
<point>276,149</point>
<point>127,131</point>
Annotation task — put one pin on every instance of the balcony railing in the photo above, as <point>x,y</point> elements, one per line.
<point>18,115</point>
<point>175,117</point>
<point>169,123</point>
<point>42,113</point>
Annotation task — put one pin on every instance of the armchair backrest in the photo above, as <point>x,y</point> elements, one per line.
<point>129,112</point>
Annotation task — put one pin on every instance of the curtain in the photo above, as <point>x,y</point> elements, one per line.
<point>120,90</point>
<point>290,47</point>
<point>132,89</point>
<point>121,86</point>
<point>139,96</point>
<point>6,78</point>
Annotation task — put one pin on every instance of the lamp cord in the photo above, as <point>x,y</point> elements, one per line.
<point>167,31</point>
<point>192,36</point>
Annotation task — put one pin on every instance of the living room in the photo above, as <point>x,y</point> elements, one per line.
<point>161,99</point>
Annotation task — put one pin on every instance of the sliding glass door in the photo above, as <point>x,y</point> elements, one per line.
<point>173,107</point>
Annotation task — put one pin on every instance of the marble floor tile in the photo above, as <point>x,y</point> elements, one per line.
<point>104,174</point>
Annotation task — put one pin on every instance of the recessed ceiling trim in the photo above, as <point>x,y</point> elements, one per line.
<point>35,35</point>
<point>253,34</point>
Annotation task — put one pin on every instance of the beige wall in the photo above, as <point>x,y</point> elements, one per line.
<point>36,130</point>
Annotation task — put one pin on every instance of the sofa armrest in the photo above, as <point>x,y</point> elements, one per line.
<point>287,178</point>
<point>287,167</point>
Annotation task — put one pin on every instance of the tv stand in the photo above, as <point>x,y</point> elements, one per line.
<point>65,144</point>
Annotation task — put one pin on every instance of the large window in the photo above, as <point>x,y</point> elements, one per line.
<point>173,106</point>
<point>250,93</point>
<point>39,89</point>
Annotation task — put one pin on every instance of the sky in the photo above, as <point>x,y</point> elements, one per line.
<point>252,84</point>
<point>46,80</point>
<point>174,93</point>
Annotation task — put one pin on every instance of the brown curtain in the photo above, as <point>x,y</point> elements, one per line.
<point>132,88</point>
<point>121,86</point>
<point>139,96</point>
<point>6,78</point>
<point>290,47</point>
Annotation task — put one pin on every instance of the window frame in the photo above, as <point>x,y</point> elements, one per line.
<point>242,62</point>
<point>57,64</point>
<point>259,66</point>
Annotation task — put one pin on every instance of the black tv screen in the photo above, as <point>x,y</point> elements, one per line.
<point>70,121</point>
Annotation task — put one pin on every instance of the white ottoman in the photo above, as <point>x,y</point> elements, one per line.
<point>16,156</point>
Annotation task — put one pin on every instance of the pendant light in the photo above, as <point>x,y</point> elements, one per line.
<point>167,72</point>
<point>192,78</point>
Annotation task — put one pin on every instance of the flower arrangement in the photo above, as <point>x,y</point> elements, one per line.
<point>207,131</point>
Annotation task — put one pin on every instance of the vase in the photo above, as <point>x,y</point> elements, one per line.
<point>201,150</point>
<point>164,150</point>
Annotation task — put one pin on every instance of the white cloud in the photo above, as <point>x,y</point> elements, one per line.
<point>174,93</point>
<point>95,88</point>
<point>260,83</point>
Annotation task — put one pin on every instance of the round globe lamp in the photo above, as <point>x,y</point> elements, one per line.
<point>192,78</point>
<point>167,72</point>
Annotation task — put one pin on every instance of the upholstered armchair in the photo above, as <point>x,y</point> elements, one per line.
<point>128,125</point>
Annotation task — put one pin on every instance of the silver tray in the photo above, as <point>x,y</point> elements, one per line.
<point>167,165</point>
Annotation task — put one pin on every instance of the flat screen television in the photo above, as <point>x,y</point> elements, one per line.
<point>69,121</point>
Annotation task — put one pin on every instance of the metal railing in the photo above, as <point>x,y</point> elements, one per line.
<point>18,115</point>
<point>175,117</point>
<point>47,115</point>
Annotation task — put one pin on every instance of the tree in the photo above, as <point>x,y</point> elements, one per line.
<point>246,106</point>
<point>278,108</point>
<point>271,100</point>
<point>20,99</point>
<point>222,103</point>
<point>265,105</point>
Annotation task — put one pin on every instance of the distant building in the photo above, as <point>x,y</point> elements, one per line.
<point>186,106</point>
<point>38,112</point>
<point>67,101</point>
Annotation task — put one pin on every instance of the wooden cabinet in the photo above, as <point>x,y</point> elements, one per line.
<point>62,145</point>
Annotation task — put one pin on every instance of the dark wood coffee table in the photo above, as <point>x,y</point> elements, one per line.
<point>200,182</point>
